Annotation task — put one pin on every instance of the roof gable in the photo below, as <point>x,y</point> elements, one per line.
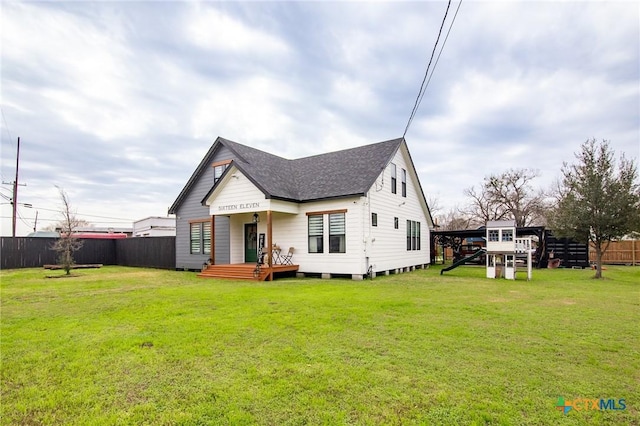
<point>343,173</point>
<point>413,173</point>
<point>204,164</point>
<point>232,182</point>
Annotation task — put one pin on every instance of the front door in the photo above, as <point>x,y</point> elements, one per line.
<point>250,242</point>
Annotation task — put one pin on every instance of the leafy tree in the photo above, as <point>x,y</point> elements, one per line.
<point>67,244</point>
<point>597,201</point>
<point>508,195</point>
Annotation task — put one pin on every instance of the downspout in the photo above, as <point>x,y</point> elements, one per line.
<point>365,202</point>
<point>368,240</point>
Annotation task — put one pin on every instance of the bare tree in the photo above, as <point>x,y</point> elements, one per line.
<point>598,201</point>
<point>67,244</point>
<point>454,220</point>
<point>80,223</point>
<point>508,195</point>
<point>434,205</point>
<point>482,208</point>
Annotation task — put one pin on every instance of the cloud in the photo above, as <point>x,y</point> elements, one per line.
<point>250,109</point>
<point>211,29</point>
<point>117,102</point>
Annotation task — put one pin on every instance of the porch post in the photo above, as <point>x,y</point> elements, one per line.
<point>213,240</point>
<point>269,244</point>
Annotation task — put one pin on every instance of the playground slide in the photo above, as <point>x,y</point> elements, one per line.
<point>464,260</point>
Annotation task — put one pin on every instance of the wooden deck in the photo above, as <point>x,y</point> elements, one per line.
<point>245,271</point>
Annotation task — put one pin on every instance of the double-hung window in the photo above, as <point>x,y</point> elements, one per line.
<point>394,179</point>
<point>507,235</point>
<point>404,182</point>
<point>337,233</point>
<point>316,233</point>
<point>200,236</point>
<point>413,235</point>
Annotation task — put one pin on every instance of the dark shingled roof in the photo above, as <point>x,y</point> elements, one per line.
<point>335,174</point>
<point>332,175</point>
<point>343,173</point>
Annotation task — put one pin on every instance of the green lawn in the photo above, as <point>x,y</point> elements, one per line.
<point>139,346</point>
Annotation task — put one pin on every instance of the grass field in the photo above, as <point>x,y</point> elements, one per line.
<point>139,346</point>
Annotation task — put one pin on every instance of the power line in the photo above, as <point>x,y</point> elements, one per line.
<point>426,74</point>
<point>6,126</point>
<point>22,219</point>
<point>440,53</point>
<point>426,79</point>
<point>40,219</point>
<point>87,215</point>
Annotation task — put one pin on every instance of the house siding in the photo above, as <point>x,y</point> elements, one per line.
<point>350,262</point>
<point>191,208</point>
<point>236,194</point>
<point>290,230</point>
<point>387,246</point>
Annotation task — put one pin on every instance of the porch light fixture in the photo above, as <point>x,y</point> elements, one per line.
<point>256,218</point>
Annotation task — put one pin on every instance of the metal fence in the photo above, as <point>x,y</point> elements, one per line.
<point>152,252</point>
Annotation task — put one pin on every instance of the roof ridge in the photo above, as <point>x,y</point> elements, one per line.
<point>233,146</point>
<point>341,151</point>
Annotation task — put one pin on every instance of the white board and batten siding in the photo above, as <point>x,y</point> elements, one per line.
<point>387,246</point>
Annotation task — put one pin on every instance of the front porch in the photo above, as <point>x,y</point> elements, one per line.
<point>246,271</point>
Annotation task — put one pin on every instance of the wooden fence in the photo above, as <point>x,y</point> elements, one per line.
<point>152,252</point>
<point>626,252</point>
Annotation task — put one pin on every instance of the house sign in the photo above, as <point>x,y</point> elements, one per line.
<point>241,206</point>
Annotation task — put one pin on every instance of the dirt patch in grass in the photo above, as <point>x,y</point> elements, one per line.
<point>63,276</point>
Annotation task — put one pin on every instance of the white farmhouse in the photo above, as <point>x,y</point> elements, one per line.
<point>351,213</point>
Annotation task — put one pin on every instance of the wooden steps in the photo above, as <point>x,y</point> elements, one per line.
<point>243,271</point>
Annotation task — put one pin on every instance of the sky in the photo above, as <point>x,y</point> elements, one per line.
<point>118,102</point>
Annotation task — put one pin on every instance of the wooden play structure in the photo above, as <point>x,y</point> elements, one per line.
<point>503,250</point>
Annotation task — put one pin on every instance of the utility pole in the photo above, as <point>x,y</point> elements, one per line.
<point>35,224</point>
<point>15,190</point>
<point>14,199</point>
